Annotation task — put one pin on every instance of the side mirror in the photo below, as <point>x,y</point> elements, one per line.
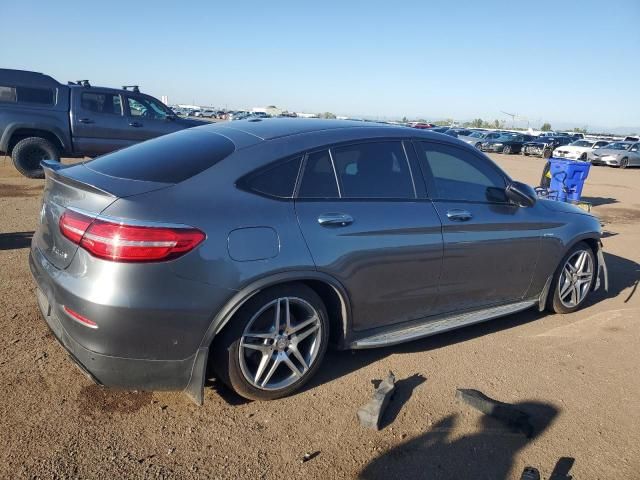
<point>521,194</point>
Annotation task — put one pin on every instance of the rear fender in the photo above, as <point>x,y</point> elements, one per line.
<point>195,388</point>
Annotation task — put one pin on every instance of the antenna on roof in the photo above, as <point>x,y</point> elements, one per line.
<point>134,88</point>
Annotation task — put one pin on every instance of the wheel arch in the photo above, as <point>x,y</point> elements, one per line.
<point>330,290</point>
<point>20,132</point>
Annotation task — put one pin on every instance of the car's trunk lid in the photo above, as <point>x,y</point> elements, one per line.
<point>77,187</point>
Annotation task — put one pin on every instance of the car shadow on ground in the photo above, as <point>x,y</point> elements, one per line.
<point>598,201</point>
<point>487,453</point>
<point>623,274</point>
<point>15,240</point>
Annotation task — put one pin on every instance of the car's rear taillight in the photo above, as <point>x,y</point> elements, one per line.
<point>121,242</point>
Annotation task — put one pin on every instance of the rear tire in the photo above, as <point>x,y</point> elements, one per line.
<point>29,152</point>
<point>507,149</point>
<point>573,280</point>
<point>261,362</point>
<point>478,145</point>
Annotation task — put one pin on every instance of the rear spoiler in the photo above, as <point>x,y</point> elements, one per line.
<point>52,170</point>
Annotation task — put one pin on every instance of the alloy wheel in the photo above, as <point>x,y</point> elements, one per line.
<point>280,343</point>
<point>576,277</point>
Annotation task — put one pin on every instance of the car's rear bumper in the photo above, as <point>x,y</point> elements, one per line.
<point>139,374</point>
<point>110,370</point>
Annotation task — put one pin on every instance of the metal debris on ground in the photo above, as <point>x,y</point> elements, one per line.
<point>530,473</point>
<point>505,412</point>
<point>310,456</point>
<point>371,413</point>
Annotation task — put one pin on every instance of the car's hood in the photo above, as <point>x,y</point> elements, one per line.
<point>190,122</point>
<point>607,151</point>
<point>563,207</point>
<point>570,148</point>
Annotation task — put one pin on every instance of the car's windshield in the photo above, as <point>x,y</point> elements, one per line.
<point>505,137</point>
<point>618,146</point>
<point>582,143</point>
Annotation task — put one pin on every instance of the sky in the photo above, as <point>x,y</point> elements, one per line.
<point>570,63</point>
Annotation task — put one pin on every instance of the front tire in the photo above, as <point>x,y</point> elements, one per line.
<point>573,280</point>
<point>624,163</point>
<point>507,149</point>
<point>546,153</point>
<point>274,344</point>
<point>29,152</point>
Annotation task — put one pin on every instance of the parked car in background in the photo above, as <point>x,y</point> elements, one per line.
<point>578,150</point>
<point>506,143</point>
<point>208,113</point>
<point>544,146</point>
<point>631,138</point>
<point>267,240</point>
<point>42,119</point>
<point>439,129</point>
<point>476,138</point>
<point>259,115</point>
<point>457,132</point>
<point>617,154</point>
<point>422,126</point>
<point>239,115</point>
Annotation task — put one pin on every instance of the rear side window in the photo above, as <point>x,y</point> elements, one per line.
<point>168,159</point>
<point>318,179</point>
<point>373,170</point>
<point>42,96</point>
<point>456,174</point>
<point>276,181</point>
<point>101,102</point>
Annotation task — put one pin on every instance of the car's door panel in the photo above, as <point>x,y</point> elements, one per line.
<point>386,252</point>
<point>490,246</point>
<point>97,121</point>
<point>388,258</point>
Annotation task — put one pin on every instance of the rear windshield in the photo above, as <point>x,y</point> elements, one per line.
<point>169,159</point>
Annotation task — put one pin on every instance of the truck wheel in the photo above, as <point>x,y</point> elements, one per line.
<point>29,152</point>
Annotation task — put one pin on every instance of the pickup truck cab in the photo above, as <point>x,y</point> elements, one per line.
<point>42,119</point>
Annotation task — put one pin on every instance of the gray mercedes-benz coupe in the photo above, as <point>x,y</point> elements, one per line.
<point>244,249</point>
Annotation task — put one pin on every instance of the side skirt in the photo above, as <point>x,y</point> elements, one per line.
<point>432,327</point>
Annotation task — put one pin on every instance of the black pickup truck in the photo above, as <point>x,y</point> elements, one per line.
<point>42,119</point>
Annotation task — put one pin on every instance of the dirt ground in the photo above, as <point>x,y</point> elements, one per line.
<point>577,373</point>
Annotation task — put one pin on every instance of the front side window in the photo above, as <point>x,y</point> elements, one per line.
<point>373,170</point>
<point>144,107</point>
<point>101,102</point>
<point>457,174</point>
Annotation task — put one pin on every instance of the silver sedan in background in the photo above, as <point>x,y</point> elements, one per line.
<point>617,154</point>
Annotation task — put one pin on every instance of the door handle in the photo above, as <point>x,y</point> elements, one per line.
<point>85,120</point>
<point>459,215</point>
<point>335,219</point>
<point>135,124</point>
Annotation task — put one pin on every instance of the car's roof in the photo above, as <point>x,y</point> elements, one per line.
<point>270,128</point>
